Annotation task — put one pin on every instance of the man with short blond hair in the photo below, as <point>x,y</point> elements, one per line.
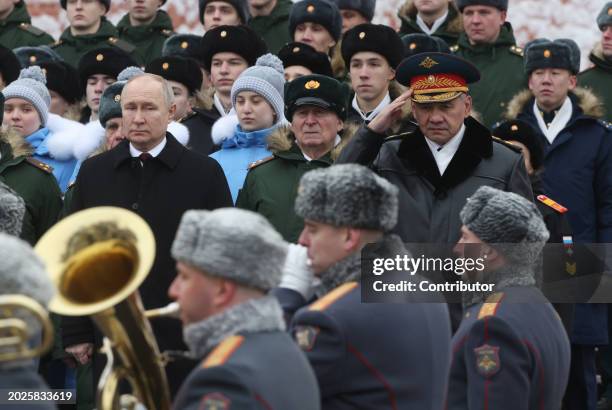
<point>151,173</point>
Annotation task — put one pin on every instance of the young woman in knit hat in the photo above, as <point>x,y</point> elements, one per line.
<point>257,98</point>
<point>26,111</point>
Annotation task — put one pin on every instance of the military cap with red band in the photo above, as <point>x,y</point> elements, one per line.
<point>436,77</point>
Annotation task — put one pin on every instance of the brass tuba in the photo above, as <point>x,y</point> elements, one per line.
<point>97,259</point>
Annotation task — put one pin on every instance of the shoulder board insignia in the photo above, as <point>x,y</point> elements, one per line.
<point>40,165</point>
<point>122,44</point>
<point>259,162</point>
<point>31,29</point>
<point>507,144</point>
<point>167,32</point>
<point>554,205</point>
<point>454,48</point>
<point>56,44</point>
<point>489,308</point>
<point>607,125</point>
<point>517,50</point>
<point>223,351</point>
<point>329,299</point>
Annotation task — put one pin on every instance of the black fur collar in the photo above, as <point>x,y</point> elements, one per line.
<point>476,145</point>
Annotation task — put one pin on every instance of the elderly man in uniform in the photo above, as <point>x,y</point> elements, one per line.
<point>316,107</point>
<point>511,350</point>
<point>488,42</point>
<point>599,77</point>
<point>346,207</point>
<point>227,260</point>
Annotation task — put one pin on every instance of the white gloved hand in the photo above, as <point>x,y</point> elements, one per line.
<point>296,271</point>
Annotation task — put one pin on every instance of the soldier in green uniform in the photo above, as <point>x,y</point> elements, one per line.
<point>599,77</point>
<point>438,18</point>
<point>269,19</point>
<point>16,29</point>
<point>488,43</point>
<point>146,27</point>
<point>88,29</point>
<point>32,180</point>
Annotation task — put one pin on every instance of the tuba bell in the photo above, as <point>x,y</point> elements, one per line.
<point>97,259</point>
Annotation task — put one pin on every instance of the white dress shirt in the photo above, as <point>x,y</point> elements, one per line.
<point>443,154</point>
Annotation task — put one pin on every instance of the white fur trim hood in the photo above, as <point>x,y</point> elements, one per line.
<point>63,137</point>
<point>93,136</point>
<point>225,127</point>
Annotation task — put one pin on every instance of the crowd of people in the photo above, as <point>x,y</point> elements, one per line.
<point>266,154</point>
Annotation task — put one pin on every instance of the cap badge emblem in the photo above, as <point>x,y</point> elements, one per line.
<point>223,34</point>
<point>184,44</point>
<point>296,49</point>
<point>165,66</point>
<point>413,46</point>
<point>99,57</point>
<point>428,63</point>
<point>312,85</point>
<point>117,98</point>
<point>514,128</point>
<point>310,8</point>
<point>547,53</point>
<point>32,59</point>
<point>362,35</point>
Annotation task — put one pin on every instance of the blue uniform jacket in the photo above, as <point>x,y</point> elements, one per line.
<point>265,371</point>
<point>510,353</point>
<point>373,356</point>
<point>578,174</point>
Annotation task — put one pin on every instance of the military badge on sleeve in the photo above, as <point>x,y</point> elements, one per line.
<point>305,336</point>
<point>215,401</point>
<point>487,360</point>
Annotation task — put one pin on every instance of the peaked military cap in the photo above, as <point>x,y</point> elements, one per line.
<point>28,56</point>
<point>364,7</point>
<point>319,91</point>
<point>241,7</point>
<point>604,18</point>
<point>241,40</point>
<point>376,38</point>
<point>9,65</point>
<point>184,45</point>
<point>316,11</point>
<point>436,77</point>
<point>180,69</point>
<point>61,79</point>
<point>105,3</point>
<point>498,4</point>
<point>304,55</point>
<point>544,53</point>
<point>105,60</point>
<point>523,132</point>
<point>417,43</point>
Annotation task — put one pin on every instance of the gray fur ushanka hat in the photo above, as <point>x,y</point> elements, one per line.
<point>12,210</point>
<point>231,243</point>
<point>348,195</point>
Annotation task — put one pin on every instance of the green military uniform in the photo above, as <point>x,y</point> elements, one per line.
<point>501,69</point>
<point>599,79</point>
<point>271,184</point>
<point>148,39</point>
<point>71,48</point>
<point>17,30</point>
<point>274,28</point>
<point>34,182</point>
<point>449,31</point>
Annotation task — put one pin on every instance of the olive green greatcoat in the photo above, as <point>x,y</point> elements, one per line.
<point>17,30</point>
<point>147,39</point>
<point>598,79</point>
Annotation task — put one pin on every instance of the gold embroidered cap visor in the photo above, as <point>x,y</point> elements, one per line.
<point>436,77</point>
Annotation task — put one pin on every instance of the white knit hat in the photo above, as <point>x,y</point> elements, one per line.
<point>31,86</point>
<point>266,78</point>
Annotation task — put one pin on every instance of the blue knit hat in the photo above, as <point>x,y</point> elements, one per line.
<point>31,86</point>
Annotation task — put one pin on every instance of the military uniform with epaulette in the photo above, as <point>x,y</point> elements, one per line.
<point>448,31</point>
<point>71,48</point>
<point>148,39</point>
<point>17,30</point>
<point>501,68</point>
<point>33,180</point>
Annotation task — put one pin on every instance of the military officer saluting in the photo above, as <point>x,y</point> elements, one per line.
<point>511,350</point>
<point>356,349</point>
<point>16,29</point>
<point>89,29</point>
<point>227,260</point>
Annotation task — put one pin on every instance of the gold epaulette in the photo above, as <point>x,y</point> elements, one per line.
<point>507,144</point>
<point>489,308</point>
<point>454,48</point>
<point>554,205</point>
<point>259,162</point>
<point>329,299</point>
<point>223,352</point>
<point>121,44</point>
<point>167,32</point>
<point>517,50</point>
<point>40,165</point>
<point>31,29</point>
